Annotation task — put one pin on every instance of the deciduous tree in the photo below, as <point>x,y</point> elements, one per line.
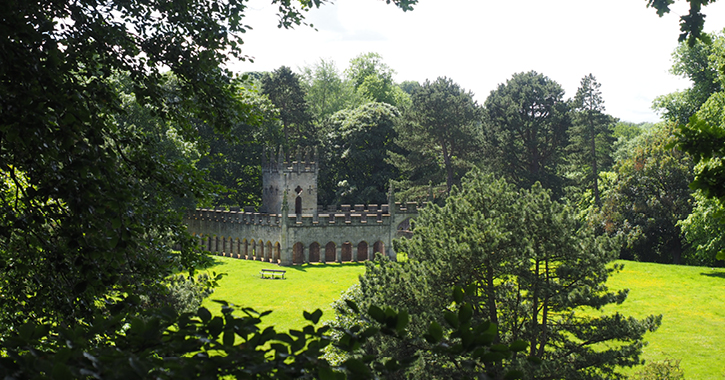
<point>283,88</point>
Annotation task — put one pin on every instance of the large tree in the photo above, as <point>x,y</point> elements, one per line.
<point>284,89</point>
<point>88,205</point>
<point>526,127</point>
<point>535,268</point>
<point>443,124</point>
<point>648,195</point>
<point>591,136</point>
<point>327,91</point>
<point>355,154</point>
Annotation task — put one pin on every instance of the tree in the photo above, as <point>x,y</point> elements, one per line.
<point>691,24</point>
<point>327,92</point>
<point>442,123</point>
<point>704,231</point>
<point>694,62</point>
<point>232,160</point>
<point>591,135</point>
<point>373,79</point>
<point>528,264</point>
<point>649,195</point>
<point>355,155</point>
<point>526,127</point>
<point>283,88</point>
<point>88,208</point>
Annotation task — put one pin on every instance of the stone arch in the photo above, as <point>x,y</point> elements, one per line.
<point>244,249</point>
<point>277,252</point>
<point>315,252</point>
<point>346,251</point>
<point>362,251</point>
<point>379,247</point>
<point>330,252</point>
<point>268,252</point>
<point>298,253</point>
<point>259,250</point>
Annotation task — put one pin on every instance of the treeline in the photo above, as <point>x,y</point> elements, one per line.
<point>424,137</point>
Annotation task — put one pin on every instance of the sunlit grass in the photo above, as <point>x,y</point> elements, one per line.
<point>305,288</point>
<point>692,303</point>
<point>691,300</point>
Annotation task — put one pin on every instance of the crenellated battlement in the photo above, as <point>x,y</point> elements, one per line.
<point>291,228</point>
<point>276,161</point>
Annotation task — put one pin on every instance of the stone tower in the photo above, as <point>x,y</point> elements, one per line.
<point>298,178</point>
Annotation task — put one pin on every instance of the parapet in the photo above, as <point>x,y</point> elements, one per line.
<point>275,160</point>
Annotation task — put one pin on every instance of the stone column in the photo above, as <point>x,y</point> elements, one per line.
<point>353,254</point>
<point>338,255</point>
<point>305,253</point>
<point>371,253</point>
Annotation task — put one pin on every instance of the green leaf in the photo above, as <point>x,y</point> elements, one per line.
<point>465,313</point>
<point>451,318</point>
<point>720,255</point>
<point>215,326</point>
<point>204,314</point>
<point>519,346</point>
<point>376,313</point>
<point>402,320</point>
<point>228,338</point>
<point>457,294</point>
<point>436,332</point>
<point>314,317</point>
<point>352,305</point>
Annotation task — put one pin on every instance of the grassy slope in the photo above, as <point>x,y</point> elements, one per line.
<point>306,287</point>
<point>691,300</point>
<point>692,303</point>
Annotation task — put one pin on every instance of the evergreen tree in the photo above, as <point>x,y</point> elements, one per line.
<point>534,266</point>
<point>591,136</point>
<point>441,134</point>
<point>526,129</point>
<point>283,88</point>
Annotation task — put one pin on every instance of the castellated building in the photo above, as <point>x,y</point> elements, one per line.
<point>291,228</point>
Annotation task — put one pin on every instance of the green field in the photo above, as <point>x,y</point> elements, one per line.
<point>691,300</point>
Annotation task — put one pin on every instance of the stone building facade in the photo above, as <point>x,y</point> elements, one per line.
<point>291,228</point>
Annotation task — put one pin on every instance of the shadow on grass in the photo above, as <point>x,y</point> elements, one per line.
<point>717,274</point>
<point>313,267</point>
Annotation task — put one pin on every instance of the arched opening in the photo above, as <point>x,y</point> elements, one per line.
<point>277,252</point>
<point>330,252</point>
<point>346,251</point>
<point>268,251</point>
<point>378,247</point>
<point>298,205</point>
<point>259,250</point>
<point>244,249</point>
<point>298,253</point>
<point>362,251</point>
<point>315,252</point>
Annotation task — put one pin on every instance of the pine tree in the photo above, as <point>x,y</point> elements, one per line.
<point>591,135</point>
<point>535,267</point>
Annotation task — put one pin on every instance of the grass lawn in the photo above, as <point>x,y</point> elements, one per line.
<point>305,287</point>
<point>692,303</point>
<point>691,300</point>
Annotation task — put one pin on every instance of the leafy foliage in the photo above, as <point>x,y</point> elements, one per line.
<point>355,155</point>
<point>648,197</point>
<point>284,89</point>
<point>527,264</point>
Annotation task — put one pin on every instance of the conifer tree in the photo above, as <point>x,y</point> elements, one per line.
<point>535,267</point>
<point>591,135</point>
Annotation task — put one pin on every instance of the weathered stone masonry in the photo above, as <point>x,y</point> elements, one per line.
<point>307,234</point>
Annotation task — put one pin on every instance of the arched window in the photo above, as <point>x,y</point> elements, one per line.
<point>298,205</point>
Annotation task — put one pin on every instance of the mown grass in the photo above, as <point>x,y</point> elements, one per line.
<point>691,300</point>
<point>692,303</point>
<point>305,288</point>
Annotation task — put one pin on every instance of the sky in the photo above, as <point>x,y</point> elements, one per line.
<point>480,44</point>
